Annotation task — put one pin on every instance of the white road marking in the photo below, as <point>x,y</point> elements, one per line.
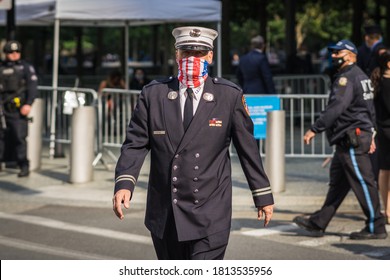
<point>313,241</point>
<point>318,241</point>
<point>50,250</point>
<point>381,252</point>
<point>269,231</point>
<point>78,228</point>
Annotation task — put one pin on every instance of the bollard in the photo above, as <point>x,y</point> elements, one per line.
<point>82,144</point>
<point>275,150</point>
<point>34,138</point>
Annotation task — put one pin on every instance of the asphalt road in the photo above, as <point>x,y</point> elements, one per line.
<point>69,232</point>
<point>45,217</point>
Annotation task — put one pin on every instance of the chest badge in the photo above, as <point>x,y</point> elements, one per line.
<point>172,95</point>
<point>208,96</point>
<point>215,122</point>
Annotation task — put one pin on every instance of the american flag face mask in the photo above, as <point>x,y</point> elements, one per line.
<point>192,71</point>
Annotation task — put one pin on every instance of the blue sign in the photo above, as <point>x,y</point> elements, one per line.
<point>258,107</point>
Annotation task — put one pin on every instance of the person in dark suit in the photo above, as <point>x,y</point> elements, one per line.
<point>373,47</point>
<point>381,82</point>
<point>368,60</point>
<point>139,79</point>
<point>254,72</point>
<point>188,122</point>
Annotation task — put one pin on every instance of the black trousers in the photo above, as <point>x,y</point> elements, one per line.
<point>351,169</point>
<point>15,134</point>
<point>212,247</point>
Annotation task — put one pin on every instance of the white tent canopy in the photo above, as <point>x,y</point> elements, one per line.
<point>32,12</point>
<point>114,13</point>
<point>138,10</point>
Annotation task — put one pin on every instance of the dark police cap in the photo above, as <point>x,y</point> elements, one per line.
<point>344,45</point>
<point>12,46</point>
<point>372,29</point>
<point>194,38</point>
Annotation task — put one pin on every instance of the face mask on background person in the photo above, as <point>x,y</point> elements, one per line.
<point>139,77</point>
<point>337,62</point>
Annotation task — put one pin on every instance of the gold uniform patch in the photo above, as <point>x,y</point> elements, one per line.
<point>245,105</point>
<point>343,81</point>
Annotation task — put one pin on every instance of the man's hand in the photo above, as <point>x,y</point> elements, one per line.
<point>372,146</point>
<point>121,196</point>
<point>308,136</point>
<point>268,211</point>
<point>25,110</point>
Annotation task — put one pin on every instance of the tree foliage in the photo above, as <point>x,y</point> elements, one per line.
<point>318,22</point>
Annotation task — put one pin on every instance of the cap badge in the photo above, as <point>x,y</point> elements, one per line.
<point>208,96</point>
<point>172,95</point>
<point>14,46</point>
<point>195,33</point>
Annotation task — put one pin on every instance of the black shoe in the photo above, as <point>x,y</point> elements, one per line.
<point>24,172</point>
<point>305,224</point>
<point>364,234</point>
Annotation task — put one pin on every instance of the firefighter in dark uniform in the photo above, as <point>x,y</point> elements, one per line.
<point>188,122</point>
<point>18,89</point>
<point>348,120</point>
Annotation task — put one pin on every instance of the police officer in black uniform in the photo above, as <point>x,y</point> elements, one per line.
<point>188,123</point>
<point>348,120</point>
<point>18,89</point>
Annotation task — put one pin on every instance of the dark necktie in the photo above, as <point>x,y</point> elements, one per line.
<point>188,109</point>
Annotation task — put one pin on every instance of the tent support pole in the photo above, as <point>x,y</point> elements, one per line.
<point>219,50</point>
<point>126,58</point>
<point>54,85</point>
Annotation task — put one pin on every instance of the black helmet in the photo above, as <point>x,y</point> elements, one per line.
<point>12,46</point>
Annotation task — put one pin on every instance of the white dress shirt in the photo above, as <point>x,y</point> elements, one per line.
<point>183,95</point>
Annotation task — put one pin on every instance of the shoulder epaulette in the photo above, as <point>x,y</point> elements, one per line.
<point>223,81</point>
<point>164,80</point>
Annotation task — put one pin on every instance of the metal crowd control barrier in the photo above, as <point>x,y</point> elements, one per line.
<point>302,84</point>
<point>301,110</point>
<point>298,121</point>
<point>58,108</point>
<point>115,108</point>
